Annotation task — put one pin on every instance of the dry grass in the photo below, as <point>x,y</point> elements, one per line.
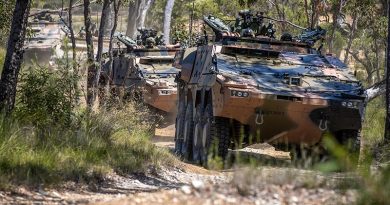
<point>102,142</point>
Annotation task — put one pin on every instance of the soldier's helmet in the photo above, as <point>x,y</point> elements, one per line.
<point>247,33</point>
<point>150,42</point>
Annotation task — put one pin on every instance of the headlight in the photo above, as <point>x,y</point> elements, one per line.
<point>350,104</point>
<point>237,93</point>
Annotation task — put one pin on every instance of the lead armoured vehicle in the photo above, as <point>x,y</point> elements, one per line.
<point>249,86</point>
<point>144,69</point>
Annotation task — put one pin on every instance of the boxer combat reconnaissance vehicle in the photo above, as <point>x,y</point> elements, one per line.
<point>249,86</point>
<point>144,70</point>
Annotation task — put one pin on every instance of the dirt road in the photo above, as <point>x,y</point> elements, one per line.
<point>190,184</point>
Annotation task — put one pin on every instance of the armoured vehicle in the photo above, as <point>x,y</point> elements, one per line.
<point>45,41</point>
<point>249,87</point>
<point>144,69</point>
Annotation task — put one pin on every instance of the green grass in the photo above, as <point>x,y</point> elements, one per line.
<point>115,141</point>
<point>2,56</point>
<point>374,125</point>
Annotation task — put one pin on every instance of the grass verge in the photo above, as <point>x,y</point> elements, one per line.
<point>86,151</point>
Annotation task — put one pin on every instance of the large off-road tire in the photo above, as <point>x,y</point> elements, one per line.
<point>351,140</point>
<point>206,135</point>
<point>188,132</point>
<point>220,136</point>
<point>215,136</point>
<point>179,129</point>
<point>197,146</point>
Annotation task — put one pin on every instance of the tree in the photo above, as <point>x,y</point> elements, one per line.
<point>6,9</point>
<point>167,20</point>
<point>337,7</point>
<point>14,55</point>
<point>137,15</point>
<point>71,32</point>
<point>92,72</point>
<point>102,29</point>
<point>107,80</point>
<point>144,11</point>
<point>387,125</point>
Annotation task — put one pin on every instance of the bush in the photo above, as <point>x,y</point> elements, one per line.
<point>103,142</point>
<point>50,139</point>
<point>44,98</point>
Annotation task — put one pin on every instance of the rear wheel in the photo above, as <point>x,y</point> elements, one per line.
<point>197,147</point>
<point>188,132</point>
<point>179,134</point>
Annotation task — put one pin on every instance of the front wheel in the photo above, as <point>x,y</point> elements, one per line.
<point>213,136</point>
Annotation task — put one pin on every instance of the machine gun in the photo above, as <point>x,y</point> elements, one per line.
<point>250,25</point>
<point>311,36</point>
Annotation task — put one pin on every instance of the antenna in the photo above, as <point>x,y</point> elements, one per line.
<point>191,22</point>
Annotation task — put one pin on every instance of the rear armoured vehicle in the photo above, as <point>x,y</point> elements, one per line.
<point>44,44</point>
<point>144,71</point>
<point>249,86</point>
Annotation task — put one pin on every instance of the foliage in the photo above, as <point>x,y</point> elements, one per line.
<point>6,9</point>
<point>99,143</point>
<point>2,56</point>
<point>44,98</point>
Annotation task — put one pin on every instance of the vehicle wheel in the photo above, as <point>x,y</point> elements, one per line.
<point>206,136</point>
<point>179,125</point>
<point>188,132</point>
<point>220,137</point>
<point>198,131</point>
<point>179,132</point>
<point>351,140</point>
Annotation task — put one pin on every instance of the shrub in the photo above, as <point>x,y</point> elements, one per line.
<point>103,142</point>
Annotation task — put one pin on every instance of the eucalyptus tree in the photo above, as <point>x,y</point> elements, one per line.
<point>14,56</point>
<point>91,88</point>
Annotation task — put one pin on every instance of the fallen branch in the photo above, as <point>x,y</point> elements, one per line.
<point>376,90</point>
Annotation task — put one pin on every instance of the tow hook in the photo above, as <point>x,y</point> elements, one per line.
<point>323,125</point>
<point>259,117</point>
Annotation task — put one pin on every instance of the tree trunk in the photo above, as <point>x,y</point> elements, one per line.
<point>14,56</point>
<point>351,37</point>
<point>314,13</point>
<point>72,37</point>
<point>307,14</point>
<point>387,125</point>
<point>144,11</point>
<point>167,20</point>
<point>117,5</point>
<point>91,89</point>
<point>133,18</point>
<point>102,28</point>
<point>336,13</point>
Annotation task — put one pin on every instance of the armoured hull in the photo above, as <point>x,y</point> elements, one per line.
<point>148,73</point>
<point>244,90</point>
